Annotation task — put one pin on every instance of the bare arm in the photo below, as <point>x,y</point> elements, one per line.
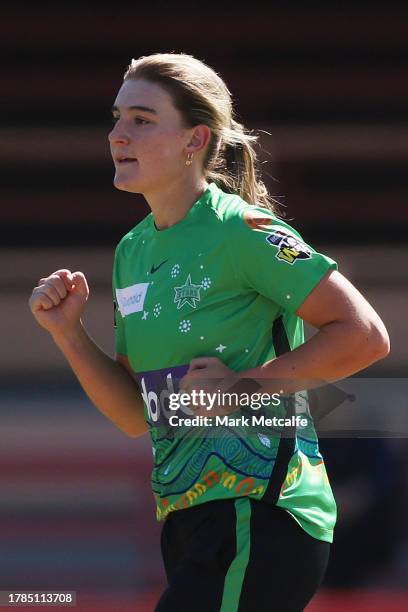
<point>351,336</point>
<point>107,382</point>
<point>57,304</point>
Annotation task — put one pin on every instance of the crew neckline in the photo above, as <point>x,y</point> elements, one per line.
<point>203,199</point>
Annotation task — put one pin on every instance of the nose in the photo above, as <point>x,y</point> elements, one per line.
<point>117,135</point>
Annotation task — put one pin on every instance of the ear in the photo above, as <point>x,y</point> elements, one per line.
<point>200,137</point>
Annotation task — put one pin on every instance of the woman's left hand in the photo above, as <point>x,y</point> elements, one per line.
<point>208,375</point>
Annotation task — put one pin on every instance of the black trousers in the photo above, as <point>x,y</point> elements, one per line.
<point>239,555</point>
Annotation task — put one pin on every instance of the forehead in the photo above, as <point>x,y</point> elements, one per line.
<point>138,92</point>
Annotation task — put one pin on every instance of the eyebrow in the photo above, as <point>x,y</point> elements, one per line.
<point>144,109</point>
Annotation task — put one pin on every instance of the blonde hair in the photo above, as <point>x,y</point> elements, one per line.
<point>202,97</point>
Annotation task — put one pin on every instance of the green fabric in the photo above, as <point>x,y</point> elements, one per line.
<point>236,572</point>
<point>213,285</point>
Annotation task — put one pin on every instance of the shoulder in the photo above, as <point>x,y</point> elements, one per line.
<point>243,219</point>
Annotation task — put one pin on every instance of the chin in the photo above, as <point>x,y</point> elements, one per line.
<point>124,185</point>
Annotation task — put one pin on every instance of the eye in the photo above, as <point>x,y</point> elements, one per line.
<point>114,118</point>
<point>141,121</point>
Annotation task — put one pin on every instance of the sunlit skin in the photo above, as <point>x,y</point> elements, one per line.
<point>150,131</point>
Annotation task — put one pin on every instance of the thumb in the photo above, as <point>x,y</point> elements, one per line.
<point>198,363</point>
<point>80,284</point>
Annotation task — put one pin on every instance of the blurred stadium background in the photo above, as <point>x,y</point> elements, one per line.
<point>329,84</point>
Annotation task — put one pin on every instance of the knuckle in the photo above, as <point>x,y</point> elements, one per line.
<point>47,289</point>
<point>48,292</point>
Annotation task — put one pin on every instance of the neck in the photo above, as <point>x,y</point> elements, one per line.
<point>172,203</point>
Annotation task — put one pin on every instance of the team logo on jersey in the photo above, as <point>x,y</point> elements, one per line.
<point>258,221</point>
<point>131,299</point>
<point>189,293</point>
<point>290,247</point>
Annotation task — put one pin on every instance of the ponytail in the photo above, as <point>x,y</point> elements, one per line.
<point>235,167</point>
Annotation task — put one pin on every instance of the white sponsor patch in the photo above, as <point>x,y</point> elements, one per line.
<point>131,299</point>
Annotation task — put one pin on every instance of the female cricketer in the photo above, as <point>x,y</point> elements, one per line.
<point>214,286</point>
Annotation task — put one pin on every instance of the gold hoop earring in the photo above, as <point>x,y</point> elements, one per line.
<point>189,159</point>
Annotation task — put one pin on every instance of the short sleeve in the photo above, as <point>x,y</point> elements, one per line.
<point>118,320</point>
<point>271,257</point>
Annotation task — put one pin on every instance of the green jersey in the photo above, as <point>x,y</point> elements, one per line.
<point>226,282</point>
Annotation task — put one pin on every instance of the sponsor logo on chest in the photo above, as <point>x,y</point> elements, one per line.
<point>131,299</point>
<point>156,387</point>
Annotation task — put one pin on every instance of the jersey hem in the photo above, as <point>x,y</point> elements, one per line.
<point>319,533</point>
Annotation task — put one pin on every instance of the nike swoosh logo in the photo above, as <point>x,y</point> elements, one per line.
<point>155,268</point>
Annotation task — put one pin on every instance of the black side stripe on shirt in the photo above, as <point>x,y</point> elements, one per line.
<point>287,441</point>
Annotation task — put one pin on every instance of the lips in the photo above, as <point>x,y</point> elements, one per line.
<point>125,160</point>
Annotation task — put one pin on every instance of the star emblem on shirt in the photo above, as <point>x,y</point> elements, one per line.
<point>189,293</point>
<point>220,348</point>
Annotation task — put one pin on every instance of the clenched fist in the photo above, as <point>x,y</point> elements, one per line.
<point>59,300</point>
